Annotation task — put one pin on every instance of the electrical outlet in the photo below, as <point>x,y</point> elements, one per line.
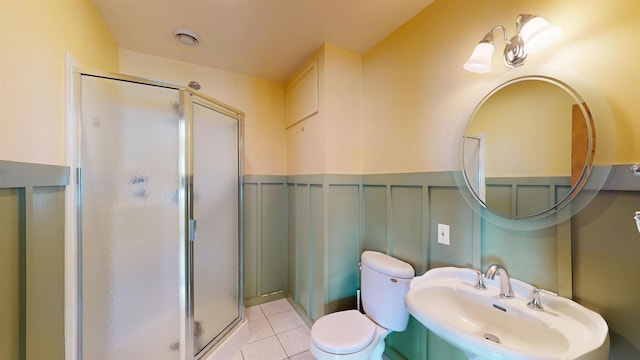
<point>443,234</point>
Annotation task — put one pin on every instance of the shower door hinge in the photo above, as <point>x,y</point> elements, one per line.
<point>192,229</point>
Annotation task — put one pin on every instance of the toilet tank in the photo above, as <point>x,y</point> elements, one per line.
<point>384,283</point>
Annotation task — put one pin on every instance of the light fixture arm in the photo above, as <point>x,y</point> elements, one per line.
<point>522,19</point>
<point>504,32</point>
<point>536,32</point>
<point>514,54</point>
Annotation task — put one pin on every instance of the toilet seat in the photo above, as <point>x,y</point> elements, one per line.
<point>343,332</point>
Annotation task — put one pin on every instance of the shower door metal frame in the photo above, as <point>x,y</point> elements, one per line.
<point>187,97</point>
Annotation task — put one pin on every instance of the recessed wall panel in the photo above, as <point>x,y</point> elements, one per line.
<point>344,248</point>
<point>45,275</point>
<point>251,251</point>
<point>292,243</point>
<point>447,206</point>
<point>374,214</point>
<point>606,247</point>
<point>318,266</point>
<point>303,247</point>
<point>10,270</point>
<point>406,225</point>
<point>501,198</point>
<point>302,96</point>
<point>272,251</point>
<point>513,250</point>
<point>532,199</point>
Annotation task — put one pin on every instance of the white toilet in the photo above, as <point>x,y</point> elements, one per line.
<point>351,335</point>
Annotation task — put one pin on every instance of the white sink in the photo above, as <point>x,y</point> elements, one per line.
<point>486,326</point>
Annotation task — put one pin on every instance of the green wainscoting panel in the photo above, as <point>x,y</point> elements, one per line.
<point>265,238</point>
<point>409,344</point>
<point>514,250</point>
<point>449,207</point>
<point>331,219</point>
<point>303,248</point>
<point>561,191</point>
<point>272,238</point>
<point>45,274</point>
<point>407,225</point>
<point>250,241</point>
<point>15,174</point>
<point>606,249</point>
<point>525,195</point>
<point>439,349</point>
<point>318,268</point>
<point>374,214</point>
<point>533,199</point>
<point>344,247</point>
<point>32,248</point>
<point>292,245</point>
<point>502,199</point>
<point>11,276</point>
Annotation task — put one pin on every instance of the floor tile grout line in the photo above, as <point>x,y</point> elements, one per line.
<point>282,346</point>
<point>269,320</point>
<point>277,338</point>
<point>285,350</point>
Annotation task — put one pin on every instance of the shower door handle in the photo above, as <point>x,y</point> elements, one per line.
<point>192,229</point>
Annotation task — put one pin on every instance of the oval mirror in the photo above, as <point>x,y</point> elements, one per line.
<point>528,148</point>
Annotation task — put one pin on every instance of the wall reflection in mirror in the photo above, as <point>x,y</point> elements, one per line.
<point>528,147</point>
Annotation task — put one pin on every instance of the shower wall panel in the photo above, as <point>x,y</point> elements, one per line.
<point>216,209</point>
<point>160,225</point>
<point>130,228</point>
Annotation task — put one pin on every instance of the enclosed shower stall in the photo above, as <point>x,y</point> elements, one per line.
<point>159,219</point>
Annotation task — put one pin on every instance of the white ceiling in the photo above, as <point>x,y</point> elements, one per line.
<point>263,38</point>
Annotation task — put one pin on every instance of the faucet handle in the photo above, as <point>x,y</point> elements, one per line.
<point>480,281</point>
<point>534,299</point>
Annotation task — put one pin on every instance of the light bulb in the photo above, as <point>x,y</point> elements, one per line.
<point>537,34</point>
<point>480,59</point>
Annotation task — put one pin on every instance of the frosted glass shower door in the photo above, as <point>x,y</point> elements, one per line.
<point>216,167</point>
<point>130,238</point>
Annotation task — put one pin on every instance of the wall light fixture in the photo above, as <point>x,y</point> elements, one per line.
<point>534,34</point>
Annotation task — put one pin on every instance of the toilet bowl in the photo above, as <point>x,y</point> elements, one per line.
<point>347,335</point>
<point>352,335</point>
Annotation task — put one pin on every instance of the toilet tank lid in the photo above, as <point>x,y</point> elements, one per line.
<point>387,265</point>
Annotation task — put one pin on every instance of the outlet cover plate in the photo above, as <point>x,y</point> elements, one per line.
<point>443,234</point>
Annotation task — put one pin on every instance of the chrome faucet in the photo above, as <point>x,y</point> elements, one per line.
<point>505,281</point>
<point>534,299</point>
<point>479,281</point>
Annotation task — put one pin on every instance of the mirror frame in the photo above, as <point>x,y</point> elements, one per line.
<point>586,166</point>
<point>593,176</point>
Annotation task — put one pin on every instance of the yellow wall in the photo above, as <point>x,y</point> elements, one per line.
<point>262,101</point>
<point>34,38</point>
<point>414,87</point>
<point>330,141</point>
<point>343,111</point>
<point>306,152</point>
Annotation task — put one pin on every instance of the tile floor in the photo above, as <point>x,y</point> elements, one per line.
<point>276,332</point>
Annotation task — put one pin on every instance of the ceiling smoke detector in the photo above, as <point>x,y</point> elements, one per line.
<point>186,37</point>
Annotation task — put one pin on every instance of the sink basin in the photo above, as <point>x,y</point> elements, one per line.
<point>486,326</point>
